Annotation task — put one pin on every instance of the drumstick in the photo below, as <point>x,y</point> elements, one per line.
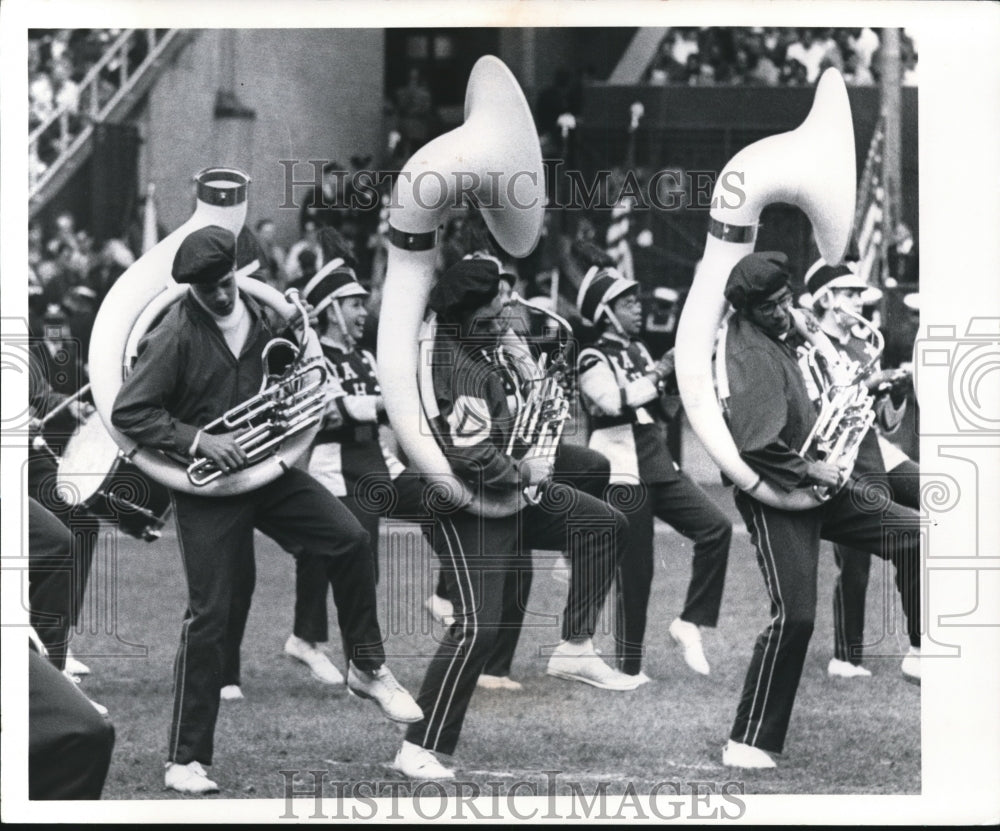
<point>59,408</point>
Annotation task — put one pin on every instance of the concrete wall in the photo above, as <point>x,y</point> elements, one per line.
<point>317,95</point>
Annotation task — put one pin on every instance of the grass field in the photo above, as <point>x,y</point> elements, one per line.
<point>859,736</point>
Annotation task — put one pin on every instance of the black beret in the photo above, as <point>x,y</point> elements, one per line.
<point>756,277</point>
<point>205,255</point>
<point>465,286</point>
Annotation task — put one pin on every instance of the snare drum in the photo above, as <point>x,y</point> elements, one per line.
<point>94,474</point>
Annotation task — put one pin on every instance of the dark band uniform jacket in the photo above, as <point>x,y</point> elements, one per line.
<point>475,420</point>
<point>768,427</point>
<point>190,376</point>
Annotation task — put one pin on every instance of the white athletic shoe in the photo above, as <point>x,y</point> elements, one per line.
<point>189,778</point>
<point>739,755</point>
<point>688,637</point>
<point>845,669</point>
<point>75,667</point>
<point>580,662</point>
<point>911,665</point>
<point>382,687</point>
<point>315,658</point>
<point>441,609</point>
<point>419,763</point>
<point>498,682</point>
<point>643,678</point>
<point>231,692</point>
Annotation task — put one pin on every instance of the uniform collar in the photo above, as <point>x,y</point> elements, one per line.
<point>614,336</point>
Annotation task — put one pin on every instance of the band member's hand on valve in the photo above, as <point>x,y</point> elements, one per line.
<point>538,469</point>
<point>823,473</point>
<point>224,451</point>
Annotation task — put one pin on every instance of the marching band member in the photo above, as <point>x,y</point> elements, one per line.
<point>203,358</point>
<point>70,737</point>
<point>770,414</point>
<point>573,465</point>
<point>347,456</point>
<point>478,552</point>
<point>836,293</point>
<point>619,387</point>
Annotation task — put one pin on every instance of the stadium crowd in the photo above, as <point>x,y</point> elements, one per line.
<point>771,56</point>
<point>59,61</point>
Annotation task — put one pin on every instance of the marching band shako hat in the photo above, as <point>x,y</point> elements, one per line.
<point>822,278</point>
<point>334,281</point>
<point>599,289</point>
<point>205,255</point>
<point>756,277</point>
<point>467,285</point>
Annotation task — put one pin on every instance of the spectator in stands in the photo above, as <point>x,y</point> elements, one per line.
<point>67,92</point>
<point>794,74</point>
<point>765,71</point>
<point>308,242</point>
<point>863,43</point>
<point>307,268</point>
<point>809,51</point>
<point>63,231</point>
<point>855,73</point>
<point>274,255</point>
<point>112,262</point>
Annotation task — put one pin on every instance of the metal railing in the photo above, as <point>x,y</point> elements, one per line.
<point>64,131</point>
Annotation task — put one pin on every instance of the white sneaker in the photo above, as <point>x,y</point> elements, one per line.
<point>498,682</point>
<point>580,662</point>
<point>75,667</point>
<point>316,659</point>
<point>382,687</point>
<point>231,692</point>
<point>441,609</point>
<point>419,763</point>
<point>189,778</point>
<point>688,637</point>
<point>642,678</point>
<point>911,665</point>
<point>739,755</point>
<point>845,669</point>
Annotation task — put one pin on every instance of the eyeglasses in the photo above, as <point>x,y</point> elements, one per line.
<point>769,307</point>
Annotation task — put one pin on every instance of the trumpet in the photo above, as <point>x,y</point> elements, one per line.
<point>847,408</point>
<point>541,390</point>
<point>291,399</point>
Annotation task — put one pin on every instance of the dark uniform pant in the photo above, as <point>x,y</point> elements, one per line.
<point>902,483</point>
<point>479,554</point>
<point>372,498</point>
<point>84,529</point>
<point>69,742</point>
<point>688,509</point>
<point>787,544</point>
<point>50,580</point>
<point>216,542</point>
<point>580,468</point>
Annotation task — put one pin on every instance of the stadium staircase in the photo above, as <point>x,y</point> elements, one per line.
<point>635,60</point>
<point>131,84</point>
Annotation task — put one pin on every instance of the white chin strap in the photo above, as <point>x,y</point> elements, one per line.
<point>338,313</point>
